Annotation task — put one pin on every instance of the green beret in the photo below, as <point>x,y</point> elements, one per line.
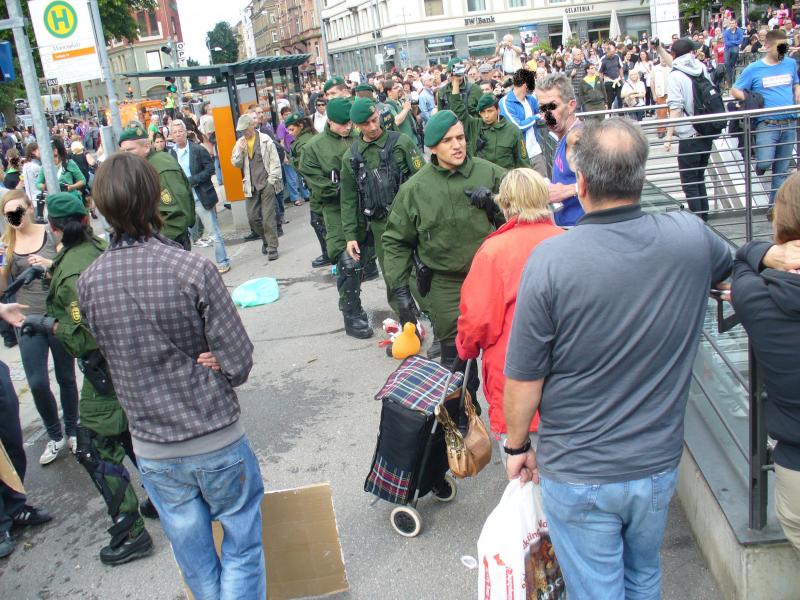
<point>332,82</point>
<point>365,87</point>
<point>362,110</point>
<point>486,101</point>
<point>64,204</point>
<point>133,132</point>
<point>438,125</point>
<point>338,110</point>
<point>294,118</point>
<point>453,62</point>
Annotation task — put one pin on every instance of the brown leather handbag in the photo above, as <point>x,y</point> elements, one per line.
<point>466,454</point>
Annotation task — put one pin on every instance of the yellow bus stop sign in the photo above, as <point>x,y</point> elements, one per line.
<point>60,19</point>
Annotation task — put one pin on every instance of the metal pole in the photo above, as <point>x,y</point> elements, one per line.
<point>40,126</point>
<point>100,42</point>
<point>377,21</point>
<point>748,179</point>
<point>757,505</point>
<point>176,64</point>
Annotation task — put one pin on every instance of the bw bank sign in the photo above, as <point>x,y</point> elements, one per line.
<point>65,37</point>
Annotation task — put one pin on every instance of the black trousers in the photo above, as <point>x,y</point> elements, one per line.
<point>613,92</point>
<point>11,502</point>
<point>693,155</point>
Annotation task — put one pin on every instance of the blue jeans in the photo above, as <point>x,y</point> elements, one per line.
<point>217,169</point>
<point>731,54</point>
<point>607,537</point>
<point>208,216</point>
<point>223,486</point>
<point>295,189</point>
<point>34,351</point>
<point>774,147</point>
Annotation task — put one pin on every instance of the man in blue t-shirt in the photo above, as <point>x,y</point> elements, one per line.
<point>775,78</point>
<point>557,105</point>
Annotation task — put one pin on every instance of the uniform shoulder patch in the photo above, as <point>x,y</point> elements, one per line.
<point>416,160</point>
<point>166,197</point>
<point>75,312</point>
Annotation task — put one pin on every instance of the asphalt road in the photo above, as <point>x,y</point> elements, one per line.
<point>309,412</point>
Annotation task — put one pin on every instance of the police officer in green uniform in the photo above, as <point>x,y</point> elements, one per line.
<point>177,202</point>
<point>103,437</point>
<point>336,87</point>
<point>387,116</point>
<point>303,132</point>
<point>470,94</point>
<point>321,165</point>
<point>401,111</point>
<point>443,214</point>
<point>373,168</point>
<point>489,136</point>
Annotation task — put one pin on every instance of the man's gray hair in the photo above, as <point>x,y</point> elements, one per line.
<point>612,155</point>
<point>175,122</point>
<point>560,82</point>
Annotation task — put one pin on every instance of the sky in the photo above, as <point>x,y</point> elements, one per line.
<point>199,17</point>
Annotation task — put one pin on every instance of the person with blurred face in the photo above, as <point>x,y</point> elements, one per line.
<point>448,204</point>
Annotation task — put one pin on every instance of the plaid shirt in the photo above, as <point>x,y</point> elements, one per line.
<point>154,308</point>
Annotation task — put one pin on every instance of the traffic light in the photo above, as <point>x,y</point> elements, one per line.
<point>171,84</point>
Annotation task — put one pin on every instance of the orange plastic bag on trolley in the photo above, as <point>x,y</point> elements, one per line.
<point>515,556</point>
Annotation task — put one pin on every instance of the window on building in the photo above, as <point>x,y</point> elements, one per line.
<point>172,27</point>
<point>556,1</point>
<point>274,37</point>
<point>517,3</point>
<point>482,44</point>
<point>434,8</point>
<point>476,5</point>
<point>153,23</point>
<point>141,23</point>
<point>598,30</point>
<point>272,18</point>
<point>153,60</point>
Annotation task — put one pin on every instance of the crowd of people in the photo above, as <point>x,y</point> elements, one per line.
<point>435,180</point>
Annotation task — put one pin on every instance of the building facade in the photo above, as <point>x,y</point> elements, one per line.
<point>299,29</point>
<point>156,29</point>
<point>418,32</point>
<point>244,28</point>
<point>265,27</point>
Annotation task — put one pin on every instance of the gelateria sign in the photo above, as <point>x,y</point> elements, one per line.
<point>479,21</point>
<point>578,10</point>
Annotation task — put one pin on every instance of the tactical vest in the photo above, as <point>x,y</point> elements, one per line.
<point>377,187</point>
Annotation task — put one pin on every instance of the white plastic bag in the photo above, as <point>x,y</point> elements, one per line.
<point>515,556</point>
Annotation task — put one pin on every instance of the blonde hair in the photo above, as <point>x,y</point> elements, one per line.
<point>524,194</point>
<point>9,237</point>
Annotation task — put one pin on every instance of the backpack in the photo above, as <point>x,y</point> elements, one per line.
<point>707,101</point>
<point>377,187</point>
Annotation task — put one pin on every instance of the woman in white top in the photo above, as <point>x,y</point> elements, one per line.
<point>633,93</point>
<point>31,168</point>
<point>645,68</point>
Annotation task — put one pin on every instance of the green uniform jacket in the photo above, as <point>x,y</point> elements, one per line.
<point>407,126</point>
<point>297,151</point>
<point>473,95</point>
<point>100,413</point>
<point>504,144</point>
<point>406,156</point>
<point>177,202</point>
<point>321,163</point>
<point>433,215</point>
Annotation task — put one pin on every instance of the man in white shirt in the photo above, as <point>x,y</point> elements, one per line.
<point>508,55</point>
<point>320,118</point>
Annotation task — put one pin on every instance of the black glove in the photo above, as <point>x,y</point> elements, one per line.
<point>424,276</point>
<point>482,198</point>
<point>38,324</point>
<point>409,313</point>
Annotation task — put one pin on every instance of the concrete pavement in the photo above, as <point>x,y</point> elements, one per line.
<point>309,411</point>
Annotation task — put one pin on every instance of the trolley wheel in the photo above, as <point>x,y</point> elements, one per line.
<point>406,521</point>
<point>446,490</point>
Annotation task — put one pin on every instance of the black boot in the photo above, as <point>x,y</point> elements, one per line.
<point>124,548</point>
<point>252,236</point>
<point>357,327</point>
<point>321,261</point>
<point>371,270</point>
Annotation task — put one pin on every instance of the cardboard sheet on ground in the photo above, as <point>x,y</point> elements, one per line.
<point>301,544</point>
<point>8,474</point>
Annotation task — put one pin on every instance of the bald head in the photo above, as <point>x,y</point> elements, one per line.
<point>611,155</point>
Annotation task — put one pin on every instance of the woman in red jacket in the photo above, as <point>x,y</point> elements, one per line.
<point>489,293</point>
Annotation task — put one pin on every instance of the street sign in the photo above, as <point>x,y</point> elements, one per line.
<point>65,37</point>
<point>181,52</point>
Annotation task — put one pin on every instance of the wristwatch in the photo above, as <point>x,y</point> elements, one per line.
<point>521,450</point>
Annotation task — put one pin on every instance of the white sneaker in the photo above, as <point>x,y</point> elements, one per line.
<point>204,243</point>
<point>72,442</point>
<point>51,451</point>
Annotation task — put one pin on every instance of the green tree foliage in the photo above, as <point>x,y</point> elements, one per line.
<point>118,22</point>
<point>224,37</point>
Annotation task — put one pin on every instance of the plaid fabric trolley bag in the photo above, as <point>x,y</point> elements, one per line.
<point>410,458</point>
